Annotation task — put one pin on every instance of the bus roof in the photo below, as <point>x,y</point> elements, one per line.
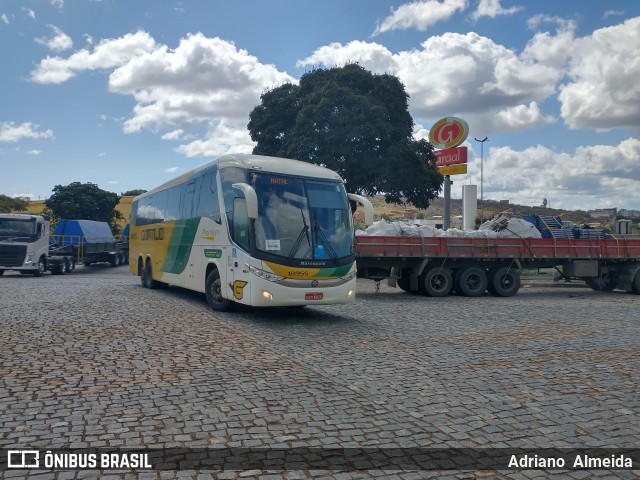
<point>261,163</point>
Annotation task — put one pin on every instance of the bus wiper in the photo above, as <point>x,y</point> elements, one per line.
<point>320,233</point>
<point>303,232</point>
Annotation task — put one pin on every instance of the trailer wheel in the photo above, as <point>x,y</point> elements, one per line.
<point>602,284</point>
<point>213,289</point>
<point>472,282</point>
<point>635,285</point>
<point>436,282</point>
<point>72,264</point>
<point>503,281</point>
<point>114,261</point>
<point>41,268</point>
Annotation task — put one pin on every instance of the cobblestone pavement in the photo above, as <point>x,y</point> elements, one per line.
<point>92,359</point>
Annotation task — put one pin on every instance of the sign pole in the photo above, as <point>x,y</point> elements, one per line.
<point>446,217</point>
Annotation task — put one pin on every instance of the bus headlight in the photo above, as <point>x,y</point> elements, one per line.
<point>350,276</point>
<point>272,277</point>
<point>267,295</point>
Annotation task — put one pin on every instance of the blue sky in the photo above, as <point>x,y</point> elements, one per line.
<point>127,95</point>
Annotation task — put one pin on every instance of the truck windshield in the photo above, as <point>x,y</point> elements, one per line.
<point>17,229</point>
<point>302,219</point>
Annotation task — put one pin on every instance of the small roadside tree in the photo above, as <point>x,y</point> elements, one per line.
<point>353,122</point>
<point>85,201</point>
<point>12,204</point>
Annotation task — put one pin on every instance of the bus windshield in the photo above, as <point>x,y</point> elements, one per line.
<point>302,219</point>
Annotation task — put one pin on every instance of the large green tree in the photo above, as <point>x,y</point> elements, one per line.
<point>84,201</point>
<point>12,204</point>
<point>353,122</point>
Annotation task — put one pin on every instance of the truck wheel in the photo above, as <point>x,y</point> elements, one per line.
<point>1,272</point>
<point>404,282</point>
<point>472,282</point>
<point>72,264</point>
<point>114,261</point>
<point>436,282</point>
<point>41,267</point>
<point>67,265</point>
<point>213,289</point>
<point>503,281</point>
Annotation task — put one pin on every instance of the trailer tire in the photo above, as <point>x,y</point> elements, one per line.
<point>635,285</point>
<point>600,284</point>
<point>66,266</point>
<point>436,282</point>
<point>114,260</point>
<point>503,281</point>
<point>213,290</point>
<point>72,265</point>
<point>472,282</point>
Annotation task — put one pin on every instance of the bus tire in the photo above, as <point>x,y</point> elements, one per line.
<point>213,289</point>
<point>147,277</point>
<point>436,282</point>
<point>472,282</point>
<point>503,281</point>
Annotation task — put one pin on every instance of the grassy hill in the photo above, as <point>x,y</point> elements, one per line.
<point>490,209</point>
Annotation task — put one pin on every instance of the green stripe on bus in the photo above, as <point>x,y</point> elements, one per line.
<point>179,250</point>
<point>334,272</point>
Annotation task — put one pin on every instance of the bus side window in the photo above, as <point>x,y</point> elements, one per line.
<point>240,231</point>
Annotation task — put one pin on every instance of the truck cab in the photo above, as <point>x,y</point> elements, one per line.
<point>24,243</point>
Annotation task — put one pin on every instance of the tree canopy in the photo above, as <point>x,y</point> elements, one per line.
<point>12,204</point>
<point>133,193</point>
<point>354,122</point>
<point>84,201</point>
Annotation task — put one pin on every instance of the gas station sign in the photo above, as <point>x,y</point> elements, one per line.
<point>448,132</point>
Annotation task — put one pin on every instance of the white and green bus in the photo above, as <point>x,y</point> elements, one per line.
<point>248,229</point>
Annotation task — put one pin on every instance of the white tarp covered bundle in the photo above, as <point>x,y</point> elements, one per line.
<point>498,227</point>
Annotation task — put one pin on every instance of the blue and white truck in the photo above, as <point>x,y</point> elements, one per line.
<point>27,246</point>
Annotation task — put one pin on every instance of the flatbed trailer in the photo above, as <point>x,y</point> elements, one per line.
<point>436,266</point>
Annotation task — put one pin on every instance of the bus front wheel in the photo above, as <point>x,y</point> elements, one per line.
<point>213,289</point>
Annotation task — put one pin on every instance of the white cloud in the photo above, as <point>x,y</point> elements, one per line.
<point>107,54</point>
<point>4,18</point>
<point>58,42</point>
<point>173,135</point>
<point>221,139</point>
<point>202,82</point>
<point>57,3</point>
<point>572,181</point>
<point>30,12</point>
<point>171,169</point>
<point>11,133</point>
<point>420,15</point>
<point>34,152</point>
<point>492,8</point>
<point>469,75</point>
<point>604,91</point>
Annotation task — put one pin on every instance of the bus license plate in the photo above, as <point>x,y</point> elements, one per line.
<point>313,296</point>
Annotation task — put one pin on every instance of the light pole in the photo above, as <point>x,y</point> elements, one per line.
<point>481,177</point>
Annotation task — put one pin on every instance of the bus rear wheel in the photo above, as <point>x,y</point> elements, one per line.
<point>213,290</point>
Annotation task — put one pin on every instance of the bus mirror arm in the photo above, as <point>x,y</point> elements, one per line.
<point>251,198</point>
<point>366,204</point>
